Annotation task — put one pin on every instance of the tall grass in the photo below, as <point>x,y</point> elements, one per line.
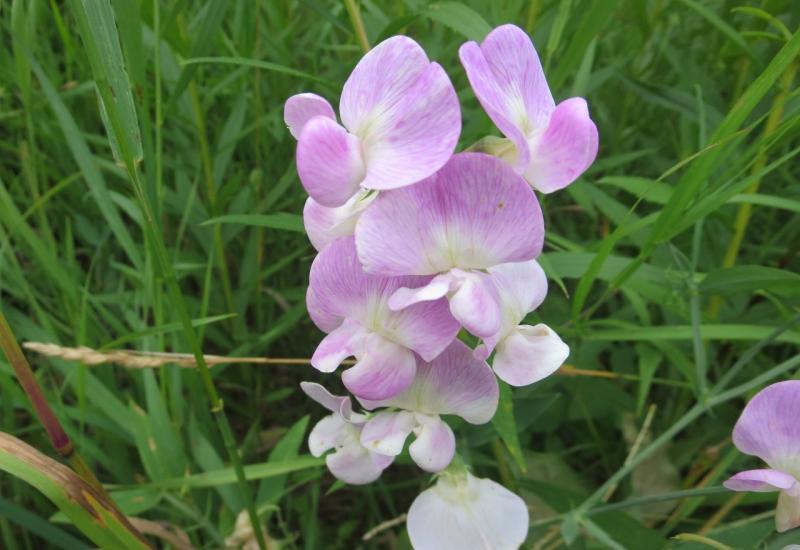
<point>170,221</point>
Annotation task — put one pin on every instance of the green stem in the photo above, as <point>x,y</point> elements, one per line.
<point>358,24</point>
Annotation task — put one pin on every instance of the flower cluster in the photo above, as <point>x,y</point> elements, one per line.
<point>416,243</point>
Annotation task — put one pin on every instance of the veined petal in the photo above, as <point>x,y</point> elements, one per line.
<point>328,433</point>
<point>435,443</point>
<point>329,161</point>
<point>768,427</point>
<point>529,354</point>
<point>475,213</point>
<point>761,481</point>
<point>467,512</point>
<point>507,77</point>
<point>356,465</point>
<point>324,225</point>
<point>453,383</point>
<point>475,303</point>
<point>405,111</point>
<point>301,108</point>
<point>383,370</point>
<point>344,341</point>
<point>340,405</point>
<point>438,287</point>
<point>386,432</point>
<point>414,137</point>
<point>787,514</point>
<point>565,150</point>
<point>339,288</point>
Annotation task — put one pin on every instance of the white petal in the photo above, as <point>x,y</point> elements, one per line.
<point>529,354</point>
<point>386,432</point>
<point>435,444</point>
<point>787,514</point>
<point>340,405</point>
<point>466,513</point>
<point>329,433</point>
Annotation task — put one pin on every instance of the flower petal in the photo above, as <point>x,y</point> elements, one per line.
<point>521,287</point>
<point>338,404</point>
<point>768,427</point>
<point>453,383</point>
<point>356,465</point>
<point>507,77</point>
<point>435,444</point>
<point>438,287</point>
<point>329,161</point>
<point>383,370</point>
<point>761,481</point>
<point>328,433</point>
<point>386,432</point>
<point>345,341</point>
<point>565,150</point>
<point>301,108</point>
<point>405,111</point>
<point>475,303</point>
<point>324,225</point>
<point>474,213</point>
<point>787,514</point>
<point>529,354</point>
<point>467,513</point>
<point>339,288</point>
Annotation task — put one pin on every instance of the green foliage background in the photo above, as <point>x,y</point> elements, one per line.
<point>699,114</point>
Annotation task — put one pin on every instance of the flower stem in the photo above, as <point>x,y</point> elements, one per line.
<point>358,24</point>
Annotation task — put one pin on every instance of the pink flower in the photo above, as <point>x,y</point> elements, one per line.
<point>453,383</point>
<point>524,354</point>
<point>769,429</point>
<point>462,511</point>
<point>400,123</point>
<point>352,307</point>
<point>550,145</point>
<point>475,213</point>
<point>351,461</point>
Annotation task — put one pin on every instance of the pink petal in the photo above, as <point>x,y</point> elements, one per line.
<point>787,514</point>
<point>453,383</point>
<point>521,287</point>
<point>474,213</point>
<point>405,111</point>
<point>301,108</point>
<point>507,78</point>
<point>339,288</point>
<point>475,303</point>
<point>435,444</point>
<point>386,432</point>
<point>345,341</point>
<point>768,427</point>
<point>383,370</point>
<point>438,287</point>
<point>462,512</point>
<point>340,405</point>
<point>324,225</point>
<point>529,354</point>
<point>565,150</point>
<point>356,465</point>
<point>322,317</point>
<point>329,162</point>
<point>761,481</point>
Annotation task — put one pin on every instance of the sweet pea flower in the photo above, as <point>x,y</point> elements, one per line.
<point>324,225</point>
<point>352,307</point>
<point>524,354</point>
<point>550,145</point>
<point>453,383</point>
<point>769,429</point>
<point>463,512</point>
<point>351,461</point>
<point>473,214</point>
<point>400,123</point>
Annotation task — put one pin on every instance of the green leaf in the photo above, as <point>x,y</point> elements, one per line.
<point>748,278</point>
<point>462,19</point>
<point>42,529</point>
<point>87,508</point>
<point>280,220</point>
<point>286,449</point>
<point>506,426</point>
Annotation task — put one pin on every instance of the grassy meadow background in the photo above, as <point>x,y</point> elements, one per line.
<point>673,262</point>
